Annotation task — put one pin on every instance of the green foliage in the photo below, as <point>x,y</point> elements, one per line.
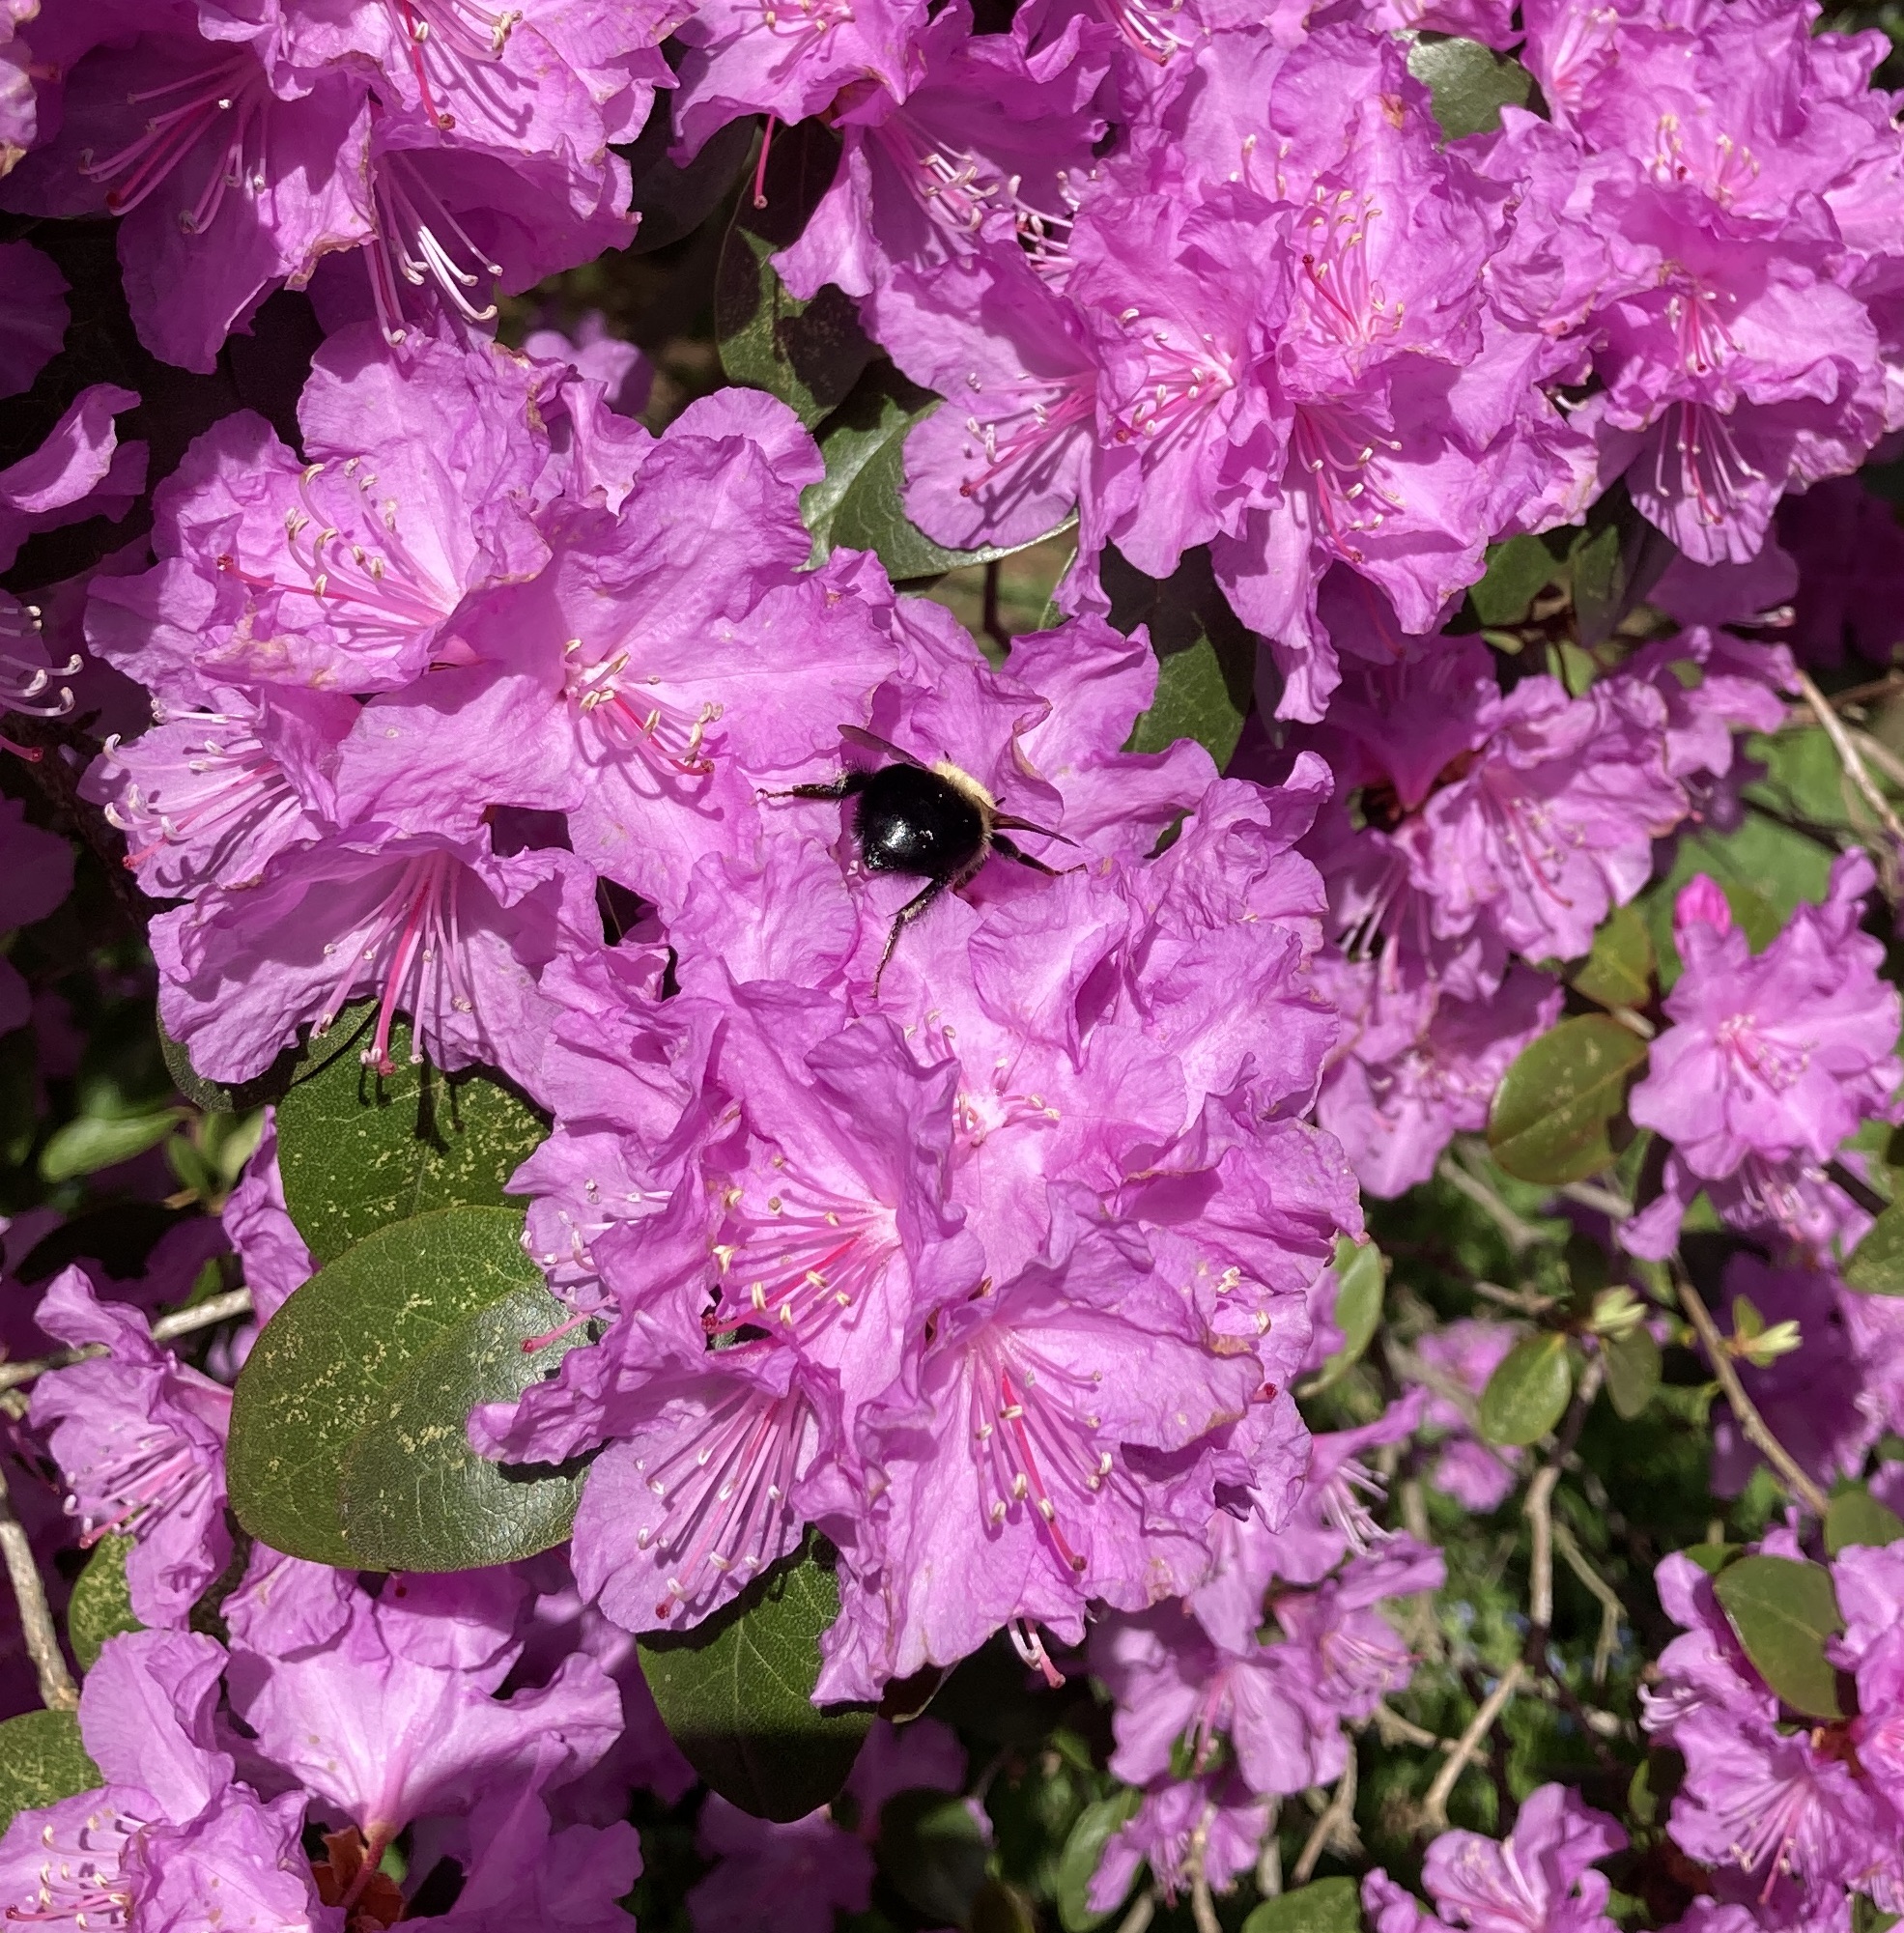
<point>1553,1113</point>
<point>1523,567</point>
<point>1619,970</point>
<point>1469,83</point>
<point>934,1853</point>
<point>1782,1612</point>
<point>1855,1517</point>
<point>1360,1275</point>
<point>102,1603</point>
<point>348,1441</point>
<point>93,1142</point>
<point>1632,1370</point>
<point>1527,1393</point>
<point>1323,1906</point>
<point>359,1150</point>
<point>1084,1848</point>
<point>43,1760</point>
<point>1206,660</point>
<point>1876,1266</point>
<point>736,1692</point>
<point>808,353</point>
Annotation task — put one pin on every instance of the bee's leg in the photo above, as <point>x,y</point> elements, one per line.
<point>845,786</point>
<point>1009,850</point>
<point>903,919</point>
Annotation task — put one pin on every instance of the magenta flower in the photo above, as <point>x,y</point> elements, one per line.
<point>1222,1813</point>
<point>81,470</point>
<point>1460,1357</point>
<point>140,1438</point>
<point>1540,1879</point>
<point>269,1247</point>
<point>1776,1054</point>
<point>226,186</point>
<point>36,318</point>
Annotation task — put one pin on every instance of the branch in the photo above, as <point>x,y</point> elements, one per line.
<point>57,1691</point>
<point>1611,1607</point>
<point>1202,1907</point>
<point>1851,760</point>
<point>1521,1235</point>
<point>1435,1807</point>
<point>204,1315</point>
<point>1141,1914</point>
<point>1750,1423</point>
<point>1335,1828</point>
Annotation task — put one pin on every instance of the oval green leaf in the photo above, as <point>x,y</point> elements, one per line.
<point>359,1150</point>
<point>1206,658</point>
<point>1632,1370</point>
<point>102,1603</point>
<point>347,1439</point>
<point>1326,1906</point>
<point>1527,1393</point>
<point>1876,1266</point>
<point>1360,1277</point>
<point>93,1142</point>
<point>1084,1851</point>
<point>1855,1517</point>
<point>1619,970</point>
<point>736,1692</point>
<point>1555,1103</point>
<point>43,1760</point>
<point>1469,83</point>
<point>933,1852</point>
<point>1782,1612</point>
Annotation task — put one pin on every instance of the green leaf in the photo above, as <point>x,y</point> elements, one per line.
<point>1469,83</point>
<point>19,1093</point>
<point>346,1437</point>
<point>1782,1612</point>
<point>1360,1277</point>
<point>1632,1370</point>
<point>359,1150</point>
<point>1084,1849</point>
<point>93,1142</point>
<point>1518,570</point>
<point>933,1852</point>
<point>808,354</point>
<point>43,1760</point>
<point>736,1692</point>
<point>1555,1103</point>
<point>1325,1906</point>
<point>218,1096</point>
<point>102,1603</point>
<point>1615,561</point>
<point>1713,1558</point>
<point>1855,1517</point>
<point>1527,1393</point>
<point>672,202</point>
<point>1619,970</point>
<point>1206,658</point>
<point>860,502</point>
<point>1876,1266</point>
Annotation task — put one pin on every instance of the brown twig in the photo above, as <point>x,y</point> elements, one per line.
<point>1752,1424</point>
<point>1435,1807</point>
<point>1202,1907</point>
<point>1335,1828</point>
<point>180,1323</point>
<point>57,1691</point>
<point>1852,760</point>
<point>1520,1233</point>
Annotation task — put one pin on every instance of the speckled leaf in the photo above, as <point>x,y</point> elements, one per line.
<point>736,1693</point>
<point>102,1603</point>
<point>1782,1612</point>
<point>415,1315</point>
<point>42,1760</point>
<point>1470,84</point>
<point>359,1150</point>
<point>1556,1102</point>
<point>1325,1906</point>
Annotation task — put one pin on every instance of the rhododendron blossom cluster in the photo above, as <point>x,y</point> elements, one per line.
<point>1037,862</point>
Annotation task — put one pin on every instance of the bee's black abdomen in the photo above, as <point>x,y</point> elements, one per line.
<point>911,820</point>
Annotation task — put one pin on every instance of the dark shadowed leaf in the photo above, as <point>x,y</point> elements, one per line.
<point>1470,84</point>
<point>673,201</point>
<point>102,1603</point>
<point>348,1419</point>
<point>1527,1393</point>
<point>93,1142</point>
<point>1206,660</point>
<point>736,1692</point>
<point>1876,1266</point>
<point>1855,1517</point>
<point>1615,561</point>
<point>1557,1101</point>
<point>41,1761</point>
<point>1782,1612</point>
<point>808,353</point>
<point>1325,1906</point>
<point>934,1853</point>
<point>358,1149</point>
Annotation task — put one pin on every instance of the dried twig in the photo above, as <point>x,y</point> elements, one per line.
<point>1435,1807</point>
<point>1601,1201</point>
<point>1539,1514</point>
<point>1270,1857</point>
<point>1852,760</point>
<point>1334,1830</point>
<point>1141,1914</point>
<point>1202,1907</point>
<point>1610,1604</point>
<point>1745,1413</point>
<point>57,1691</point>
<point>1521,1235</point>
<point>180,1323</point>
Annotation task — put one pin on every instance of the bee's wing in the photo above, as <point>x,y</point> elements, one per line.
<point>870,740</point>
